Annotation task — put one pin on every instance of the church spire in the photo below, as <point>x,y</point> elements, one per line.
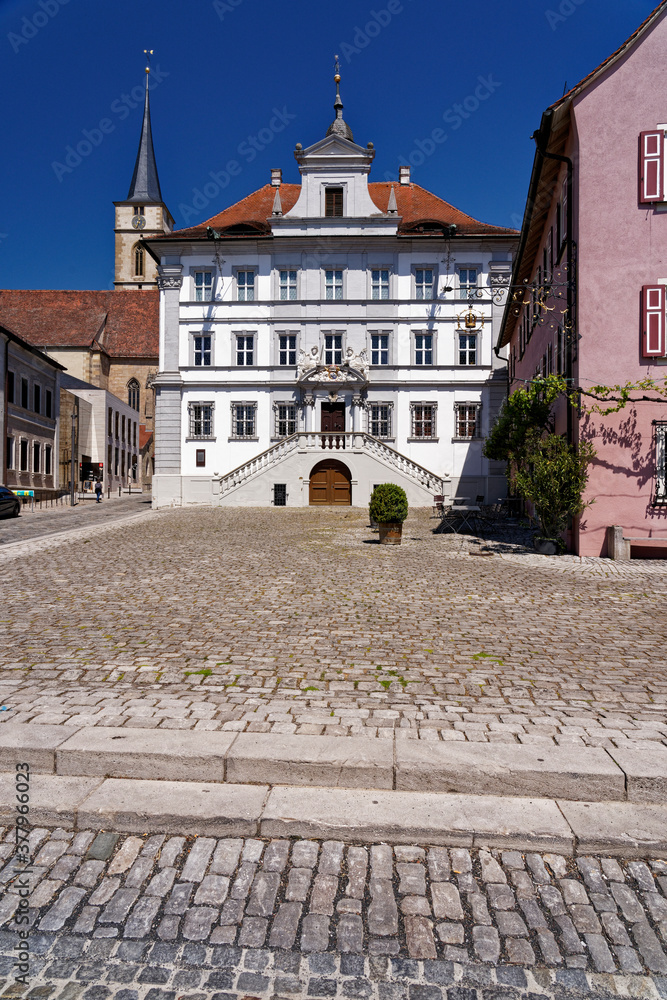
<point>145,186</point>
<point>338,126</point>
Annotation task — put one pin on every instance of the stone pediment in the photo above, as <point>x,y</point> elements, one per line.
<point>335,146</point>
<point>342,376</point>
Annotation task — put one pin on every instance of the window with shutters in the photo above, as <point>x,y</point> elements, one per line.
<point>660,462</point>
<point>651,166</point>
<point>653,325</point>
<point>333,202</point>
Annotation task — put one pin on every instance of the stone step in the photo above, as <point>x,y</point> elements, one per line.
<point>498,769</point>
<point>131,805</point>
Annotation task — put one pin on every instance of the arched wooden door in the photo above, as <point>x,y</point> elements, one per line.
<point>330,484</point>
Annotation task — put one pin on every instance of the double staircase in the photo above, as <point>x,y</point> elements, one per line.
<point>318,443</point>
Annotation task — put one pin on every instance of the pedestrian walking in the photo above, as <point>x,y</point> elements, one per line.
<point>98,491</point>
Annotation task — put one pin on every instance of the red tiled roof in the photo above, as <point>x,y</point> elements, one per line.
<point>415,205</point>
<point>120,323</point>
<point>144,436</point>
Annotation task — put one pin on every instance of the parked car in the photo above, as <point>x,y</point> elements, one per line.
<point>10,505</point>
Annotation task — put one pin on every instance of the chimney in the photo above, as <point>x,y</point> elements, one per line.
<point>404,175</point>
<point>276,177</point>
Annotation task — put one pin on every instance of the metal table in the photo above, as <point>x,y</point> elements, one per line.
<point>465,513</point>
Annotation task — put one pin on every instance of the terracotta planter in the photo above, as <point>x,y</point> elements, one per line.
<point>390,532</point>
<point>545,546</point>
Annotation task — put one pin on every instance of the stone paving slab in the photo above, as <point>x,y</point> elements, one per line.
<point>166,917</point>
<point>406,817</point>
<point>173,806</point>
<point>54,801</point>
<point>34,744</point>
<point>645,773</point>
<point>550,772</point>
<point>175,755</point>
<point>624,828</point>
<point>353,762</point>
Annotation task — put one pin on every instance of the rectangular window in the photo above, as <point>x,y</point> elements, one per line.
<point>245,281</point>
<point>110,422</point>
<point>134,434</point>
<point>379,422</point>
<point>287,285</point>
<point>423,349</point>
<point>285,419</point>
<point>201,420</point>
<point>467,420</point>
<point>287,349</point>
<point>24,455</point>
<point>122,428</point>
<point>202,345</point>
<point>203,286</point>
<point>660,463</point>
<point>467,349</point>
<point>379,348</point>
<point>24,393</point>
<point>423,420</point>
<point>424,283</point>
<point>109,457</point>
<point>245,354</point>
<point>122,464</point>
<point>333,283</point>
<point>48,403</point>
<point>36,454</point>
<point>380,284</point>
<point>333,348</point>
<point>10,387</point>
<point>467,279</point>
<point>243,420</point>
<point>10,452</point>
<point>333,202</point>
<point>47,460</point>
<point>116,457</point>
<point>200,458</point>
<point>117,426</point>
<point>37,398</point>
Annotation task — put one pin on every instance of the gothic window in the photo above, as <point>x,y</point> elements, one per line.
<point>139,261</point>
<point>133,393</point>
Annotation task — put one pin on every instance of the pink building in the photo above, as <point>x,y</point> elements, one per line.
<point>593,251</point>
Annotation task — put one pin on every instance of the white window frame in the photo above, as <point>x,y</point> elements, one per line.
<point>278,419</point>
<point>465,286</point>
<point>48,454</point>
<point>462,336</point>
<point>251,404</point>
<point>416,284</point>
<point>238,287</point>
<point>379,333</point>
<point>204,287</point>
<point>194,336</point>
<point>469,404</point>
<point>333,286</point>
<point>11,451</point>
<point>373,422</point>
<point>660,498</point>
<point>333,349</point>
<point>413,420</point>
<point>333,184</point>
<point>378,286</point>
<point>245,350</point>
<point>288,350</point>
<point>36,451</point>
<point>417,350</point>
<point>288,287</point>
<point>194,417</point>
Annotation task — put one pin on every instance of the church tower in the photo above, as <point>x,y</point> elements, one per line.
<point>142,214</point>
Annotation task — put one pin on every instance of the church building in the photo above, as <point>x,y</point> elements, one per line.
<point>322,337</point>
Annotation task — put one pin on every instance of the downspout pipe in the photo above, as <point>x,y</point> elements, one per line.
<point>541,137</point>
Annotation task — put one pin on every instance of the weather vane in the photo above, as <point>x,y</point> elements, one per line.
<point>336,66</point>
<point>148,53</point>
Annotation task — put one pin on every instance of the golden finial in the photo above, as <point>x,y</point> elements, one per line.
<point>148,53</point>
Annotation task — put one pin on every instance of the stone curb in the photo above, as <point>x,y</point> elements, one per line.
<point>621,829</point>
<point>590,774</point>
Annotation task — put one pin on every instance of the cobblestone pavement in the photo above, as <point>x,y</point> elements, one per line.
<point>129,914</point>
<point>298,621</point>
<point>86,513</point>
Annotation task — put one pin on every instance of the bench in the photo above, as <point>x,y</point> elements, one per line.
<point>619,545</point>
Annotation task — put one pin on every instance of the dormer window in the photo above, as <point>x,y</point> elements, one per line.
<point>333,202</point>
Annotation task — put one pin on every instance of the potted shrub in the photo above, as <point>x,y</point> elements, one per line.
<point>389,508</point>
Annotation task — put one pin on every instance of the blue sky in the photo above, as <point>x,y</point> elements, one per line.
<point>245,80</point>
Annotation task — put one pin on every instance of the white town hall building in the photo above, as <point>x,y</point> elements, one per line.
<point>317,339</point>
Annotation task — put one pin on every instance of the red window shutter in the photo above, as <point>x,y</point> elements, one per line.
<point>653,314</point>
<point>651,155</point>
